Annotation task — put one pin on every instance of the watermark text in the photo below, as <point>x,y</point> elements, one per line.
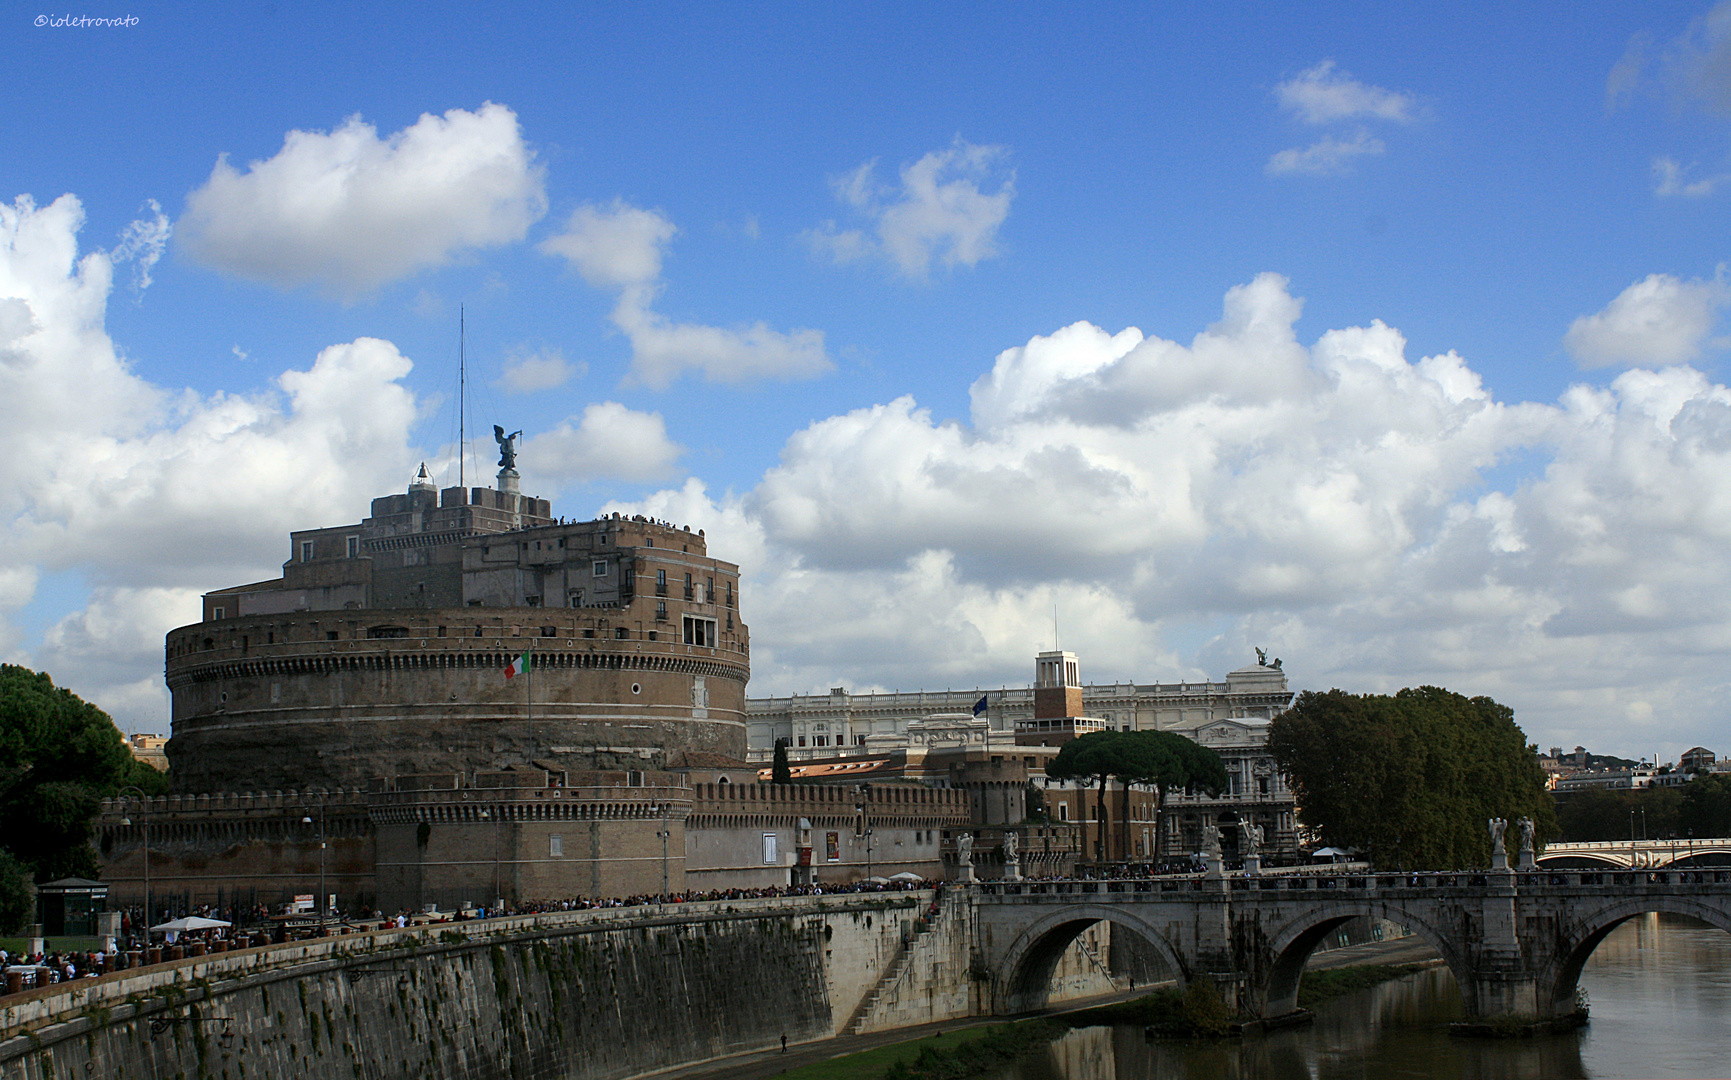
<point>60,21</point>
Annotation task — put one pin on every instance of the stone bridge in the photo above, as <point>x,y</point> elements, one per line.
<point>1515,940</point>
<point>1638,854</point>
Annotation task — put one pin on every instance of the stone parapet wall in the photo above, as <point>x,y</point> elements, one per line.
<point>548,996</point>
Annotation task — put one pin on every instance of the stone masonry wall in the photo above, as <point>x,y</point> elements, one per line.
<point>599,994</point>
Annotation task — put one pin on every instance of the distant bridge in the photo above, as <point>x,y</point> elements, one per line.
<point>1638,854</point>
<point>1515,940</point>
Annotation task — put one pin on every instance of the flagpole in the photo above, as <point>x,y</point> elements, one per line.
<point>531,655</point>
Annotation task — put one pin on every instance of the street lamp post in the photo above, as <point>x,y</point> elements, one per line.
<point>306,819</point>
<point>144,828</point>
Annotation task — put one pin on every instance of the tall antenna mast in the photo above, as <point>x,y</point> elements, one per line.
<point>1055,644</point>
<point>462,399</point>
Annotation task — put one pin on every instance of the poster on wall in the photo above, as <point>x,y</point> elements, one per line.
<point>832,846</point>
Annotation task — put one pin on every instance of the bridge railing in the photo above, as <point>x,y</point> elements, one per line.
<point>1191,884</point>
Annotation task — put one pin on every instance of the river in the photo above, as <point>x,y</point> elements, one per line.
<point>1660,990</point>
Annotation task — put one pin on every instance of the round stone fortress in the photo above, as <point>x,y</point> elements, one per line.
<point>381,651</point>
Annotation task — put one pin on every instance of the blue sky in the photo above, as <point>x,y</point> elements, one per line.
<point>1431,388</point>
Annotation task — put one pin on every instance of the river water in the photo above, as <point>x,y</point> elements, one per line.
<point>1660,990</point>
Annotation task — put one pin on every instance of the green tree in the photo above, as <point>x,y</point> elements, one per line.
<point>1706,806</point>
<point>15,902</point>
<point>1411,779</point>
<point>1160,760</point>
<point>779,773</point>
<point>1606,814</point>
<point>59,756</point>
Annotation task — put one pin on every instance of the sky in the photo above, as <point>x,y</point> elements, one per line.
<point>1388,338</point>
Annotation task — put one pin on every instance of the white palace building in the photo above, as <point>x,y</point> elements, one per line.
<point>1230,717</point>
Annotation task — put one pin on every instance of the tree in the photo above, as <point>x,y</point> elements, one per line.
<point>59,756</point>
<point>1412,779</point>
<point>779,773</point>
<point>1706,807</point>
<point>15,902</point>
<point>1607,814</point>
<point>1160,760</point>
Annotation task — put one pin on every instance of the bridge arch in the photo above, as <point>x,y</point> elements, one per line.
<point>1290,946</point>
<point>1558,977</point>
<point>1025,974</point>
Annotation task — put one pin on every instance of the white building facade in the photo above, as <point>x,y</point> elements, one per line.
<point>1230,717</point>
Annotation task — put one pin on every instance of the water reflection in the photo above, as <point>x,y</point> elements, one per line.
<point>1660,990</point>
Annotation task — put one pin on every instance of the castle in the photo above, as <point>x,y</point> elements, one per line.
<point>381,650</point>
<point>352,722</point>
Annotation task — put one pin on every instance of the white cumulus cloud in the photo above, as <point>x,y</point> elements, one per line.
<point>349,210</point>
<point>1328,156</point>
<point>1181,502</point>
<point>619,246</point>
<point>538,371</point>
<point>1323,95</point>
<point>607,441</point>
<point>1658,320</point>
<point>150,494</point>
<point>939,213</point>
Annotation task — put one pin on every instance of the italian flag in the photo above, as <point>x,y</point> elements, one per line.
<point>517,666</point>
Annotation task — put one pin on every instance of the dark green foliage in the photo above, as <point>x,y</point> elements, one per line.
<point>1705,808</point>
<point>1160,760</point>
<point>1205,1011</point>
<point>779,773</point>
<point>1604,814</point>
<point>59,755</point>
<point>15,903</point>
<point>1410,780</point>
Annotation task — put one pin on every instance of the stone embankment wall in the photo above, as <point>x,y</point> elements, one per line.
<point>595,994</point>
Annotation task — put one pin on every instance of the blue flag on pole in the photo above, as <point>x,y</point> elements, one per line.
<point>980,705</point>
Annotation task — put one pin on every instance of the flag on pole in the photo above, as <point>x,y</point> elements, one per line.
<point>517,666</point>
<point>980,705</point>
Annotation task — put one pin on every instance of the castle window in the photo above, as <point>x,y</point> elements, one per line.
<point>306,551</point>
<point>589,631</point>
<point>660,611</point>
<point>654,635</point>
<point>600,568</point>
<point>730,596</point>
<point>556,846</point>
<point>217,613</point>
<point>822,740</point>
<point>619,632</point>
<point>660,583</point>
<point>354,547</point>
<point>688,586</point>
<point>699,631</point>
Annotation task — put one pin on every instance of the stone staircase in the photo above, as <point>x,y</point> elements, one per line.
<point>897,970</point>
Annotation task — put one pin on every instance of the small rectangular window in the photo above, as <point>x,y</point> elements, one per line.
<point>306,551</point>
<point>217,613</point>
<point>802,740</point>
<point>771,849</point>
<point>600,568</point>
<point>354,547</point>
<point>823,740</point>
<point>556,846</point>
